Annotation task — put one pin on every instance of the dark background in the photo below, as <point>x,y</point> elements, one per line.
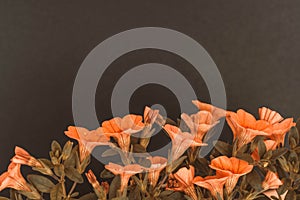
<point>255,45</point>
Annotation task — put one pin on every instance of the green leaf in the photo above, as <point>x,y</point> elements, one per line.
<point>224,148</point>
<point>106,174</point>
<point>89,196</point>
<point>254,179</point>
<point>291,195</point>
<point>71,160</point>
<point>278,153</point>
<point>174,165</point>
<point>59,170</point>
<point>73,175</point>
<point>55,146</point>
<point>114,187</point>
<point>293,137</point>
<point>66,152</point>
<point>57,192</point>
<point>41,183</point>
<point>261,148</point>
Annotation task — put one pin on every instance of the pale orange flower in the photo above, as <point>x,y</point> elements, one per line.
<point>185,177</point>
<point>150,115</point>
<point>232,167</point>
<point>270,145</point>
<point>87,140</point>
<point>158,163</point>
<point>121,129</point>
<point>280,126</point>
<point>199,123</point>
<point>181,141</point>
<point>24,158</point>
<point>14,179</point>
<point>271,184</point>
<point>125,172</point>
<point>245,127</point>
<point>216,112</point>
<point>214,184</point>
<point>102,189</point>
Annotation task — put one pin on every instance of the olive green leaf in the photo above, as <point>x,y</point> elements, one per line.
<point>41,183</point>
<point>106,174</point>
<point>89,196</point>
<point>73,175</point>
<point>57,192</point>
<point>224,148</point>
<point>114,187</point>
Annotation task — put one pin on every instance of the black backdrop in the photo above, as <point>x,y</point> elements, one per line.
<point>255,44</point>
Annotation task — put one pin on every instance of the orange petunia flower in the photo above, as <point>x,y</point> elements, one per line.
<point>199,123</point>
<point>214,184</point>
<point>122,128</point>
<point>245,127</point>
<point>87,140</point>
<point>280,126</point>
<point>216,112</point>
<point>184,178</point>
<point>102,190</point>
<point>150,115</point>
<point>270,145</point>
<point>14,179</point>
<point>158,163</point>
<point>232,167</point>
<point>24,158</point>
<point>181,141</point>
<point>125,172</point>
<point>271,184</point>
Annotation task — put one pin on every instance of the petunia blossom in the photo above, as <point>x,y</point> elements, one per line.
<point>122,128</point>
<point>214,184</point>
<point>216,112</point>
<point>232,167</point>
<point>271,183</point>
<point>280,126</point>
<point>87,140</point>
<point>199,123</point>
<point>245,127</point>
<point>24,158</point>
<point>181,141</point>
<point>125,172</point>
<point>13,178</point>
<point>158,163</point>
<point>184,178</point>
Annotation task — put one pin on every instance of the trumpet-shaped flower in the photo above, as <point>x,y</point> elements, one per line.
<point>14,179</point>
<point>199,123</point>
<point>125,172</point>
<point>158,163</point>
<point>232,167</point>
<point>87,140</point>
<point>216,112</point>
<point>214,184</point>
<point>122,128</point>
<point>24,158</point>
<point>184,181</point>
<point>271,183</point>
<point>181,141</point>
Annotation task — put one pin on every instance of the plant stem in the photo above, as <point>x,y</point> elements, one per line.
<point>72,189</point>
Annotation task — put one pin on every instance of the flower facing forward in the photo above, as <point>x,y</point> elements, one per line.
<point>232,167</point>
<point>280,126</point>
<point>199,123</point>
<point>24,158</point>
<point>14,179</point>
<point>216,112</point>
<point>214,184</point>
<point>271,183</point>
<point>181,141</point>
<point>101,190</point>
<point>122,128</point>
<point>245,127</point>
<point>270,145</point>
<point>158,163</point>
<point>184,181</point>
<point>87,140</point>
<point>125,172</point>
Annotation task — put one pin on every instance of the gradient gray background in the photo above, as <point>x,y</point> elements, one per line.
<point>255,44</point>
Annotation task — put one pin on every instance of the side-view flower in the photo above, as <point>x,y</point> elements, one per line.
<point>262,161</point>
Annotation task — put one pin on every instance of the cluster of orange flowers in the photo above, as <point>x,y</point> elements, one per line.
<point>228,170</point>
